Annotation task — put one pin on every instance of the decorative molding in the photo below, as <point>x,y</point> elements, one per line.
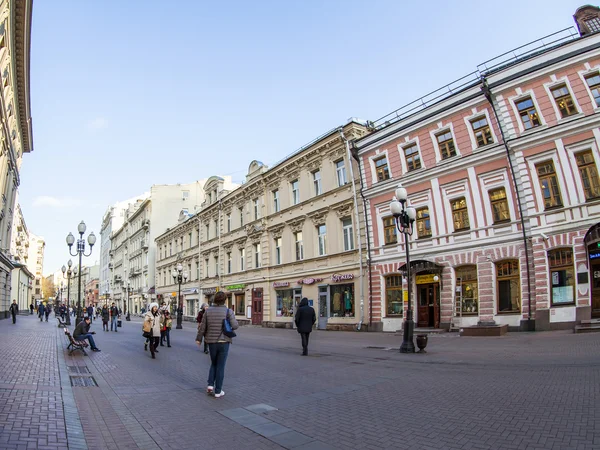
<point>240,243</point>
<point>318,217</point>
<point>297,224</point>
<point>277,230</point>
<point>313,166</point>
<point>343,209</point>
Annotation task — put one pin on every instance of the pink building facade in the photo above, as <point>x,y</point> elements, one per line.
<point>502,168</point>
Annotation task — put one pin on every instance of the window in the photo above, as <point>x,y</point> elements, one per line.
<point>593,24</point>
<point>342,300</point>
<point>216,266</point>
<point>528,113</point>
<point>389,230</point>
<point>340,170</point>
<point>160,252</point>
<point>207,231</point>
<point>228,222</point>
<point>278,251</point>
<point>299,246</point>
<point>393,296</point>
<point>242,258</point>
<point>481,129</point>
<point>467,290</point>
<point>413,159</point>
<point>348,233</point>
<point>285,302</point>
<point>206,268</point>
<point>593,82</point>
<point>256,256</point>
<point>446,144</point>
<point>190,271</point>
<point>295,192</point>
<point>549,185</point>
<point>228,262</point>
<point>322,238</point>
<point>256,206</point>
<point>216,227</point>
<point>185,195</point>
<point>507,279</point>
<point>165,279</point>
<point>317,182</point>
<point>170,249</point>
<point>562,276</point>
<point>564,101</point>
<point>240,307</point>
<point>381,168</point>
<point>241,216</point>
<point>423,223</point>
<point>460,214</point>
<point>190,236</point>
<point>589,174</point>
<point>499,203</point>
<point>276,206</point>
<point>198,235</point>
<point>197,270</point>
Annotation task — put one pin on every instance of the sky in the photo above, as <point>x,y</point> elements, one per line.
<point>127,94</point>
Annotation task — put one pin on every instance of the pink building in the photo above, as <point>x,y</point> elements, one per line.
<point>502,168</point>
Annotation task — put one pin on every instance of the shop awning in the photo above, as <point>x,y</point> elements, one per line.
<point>421,265</point>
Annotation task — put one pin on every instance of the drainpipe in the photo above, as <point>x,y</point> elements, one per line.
<point>356,216</point>
<point>488,95</point>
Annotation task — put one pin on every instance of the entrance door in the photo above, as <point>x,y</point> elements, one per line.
<point>423,309</point>
<point>323,307</point>
<point>596,290</point>
<point>429,305</point>
<point>257,306</point>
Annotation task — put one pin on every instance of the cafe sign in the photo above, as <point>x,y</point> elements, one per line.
<point>426,279</point>
<point>341,277</point>
<point>210,291</point>
<point>309,280</point>
<point>280,284</point>
<point>236,287</point>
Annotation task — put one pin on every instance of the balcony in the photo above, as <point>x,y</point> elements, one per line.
<point>136,271</point>
<point>146,224</point>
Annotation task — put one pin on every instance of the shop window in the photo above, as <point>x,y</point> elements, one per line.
<point>499,204</point>
<point>446,144</point>
<point>285,301</point>
<point>589,174</point>
<point>508,287</point>
<point>423,223</point>
<point>393,296</point>
<point>481,129</point>
<point>381,168</point>
<point>413,159</point>
<point>389,230</point>
<point>564,101</point>
<point>342,300</point>
<point>240,304</point>
<point>562,276</point>
<point>467,289</point>
<point>528,113</point>
<point>460,214</point>
<point>549,185</point>
<point>593,82</point>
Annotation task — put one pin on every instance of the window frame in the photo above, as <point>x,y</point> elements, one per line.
<point>471,284</point>
<point>276,203</point>
<point>522,96</point>
<point>317,182</point>
<point>385,169</point>
<point>438,144</point>
<point>299,246</point>
<point>503,278</point>
<point>257,259</point>
<point>229,264</point>
<point>322,240</point>
<point>396,287</point>
<point>552,268</point>
<point>541,178</point>
<point>585,75</point>
<point>462,210</point>
<point>494,202</point>
<point>278,244</point>
<point>475,130</point>
<point>242,259</point>
<point>256,207</point>
<point>295,190</point>
<point>416,154</point>
<point>348,234</point>
<point>419,220</point>
<point>389,223</point>
<point>568,95</point>
<point>340,172</point>
<point>590,165</point>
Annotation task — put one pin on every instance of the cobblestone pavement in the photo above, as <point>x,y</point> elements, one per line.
<point>354,391</point>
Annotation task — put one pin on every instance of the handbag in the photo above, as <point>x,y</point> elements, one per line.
<point>227,330</point>
<point>147,329</point>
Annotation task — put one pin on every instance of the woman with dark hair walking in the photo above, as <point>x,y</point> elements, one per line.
<point>211,329</point>
<point>154,319</point>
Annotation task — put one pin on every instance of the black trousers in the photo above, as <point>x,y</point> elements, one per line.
<point>305,337</point>
<point>14,318</point>
<point>154,343</point>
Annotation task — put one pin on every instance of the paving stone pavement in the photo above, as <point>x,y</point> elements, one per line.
<point>521,391</point>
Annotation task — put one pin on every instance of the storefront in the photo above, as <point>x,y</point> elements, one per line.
<point>190,300</point>
<point>208,294</point>
<point>236,299</point>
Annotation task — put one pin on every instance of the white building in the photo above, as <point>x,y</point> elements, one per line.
<point>35,263</point>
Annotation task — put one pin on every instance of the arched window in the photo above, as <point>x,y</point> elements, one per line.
<point>508,285</point>
<point>562,276</point>
<point>467,290</point>
<point>393,296</point>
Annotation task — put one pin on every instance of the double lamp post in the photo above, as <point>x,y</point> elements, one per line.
<point>179,276</point>
<point>69,273</point>
<point>80,252</point>
<point>404,217</point>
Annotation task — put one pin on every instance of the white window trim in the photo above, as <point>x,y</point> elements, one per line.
<point>513,103</point>
<point>453,192</point>
<point>477,115</point>
<point>539,158</point>
<point>317,181</point>
<point>425,202</point>
<point>277,208</point>
<point>297,180</point>
<point>487,203</point>
<point>558,82</point>
<point>383,213</point>
<point>372,159</point>
<point>324,241</point>
<point>410,143</point>
<point>582,74</point>
<point>433,134</point>
<point>353,234</point>
<point>571,150</point>
<point>335,169</point>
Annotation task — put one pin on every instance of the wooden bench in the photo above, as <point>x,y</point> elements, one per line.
<point>75,345</point>
<point>61,324</point>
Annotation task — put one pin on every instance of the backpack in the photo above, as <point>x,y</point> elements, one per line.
<point>199,316</point>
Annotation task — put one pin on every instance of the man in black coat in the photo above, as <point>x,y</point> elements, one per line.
<point>90,312</point>
<point>14,310</point>
<point>305,319</point>
<point>41,310</point>
<point>31,308</point>
<point>82,331</point>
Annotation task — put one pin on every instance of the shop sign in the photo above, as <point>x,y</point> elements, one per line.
<point>279,284</point>
<point>210,291</point>
<point>425,279</point>
<point>173,294</point>
<point>341,277</point>
<point>236,287</point>
<point>595,255</point>
<point>309,280</point>
<point>405,296</point>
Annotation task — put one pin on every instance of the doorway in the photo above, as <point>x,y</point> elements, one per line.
<point>257,306</point>
<point>323,307</point>
<point>595,289</point>
<point>428,299</point>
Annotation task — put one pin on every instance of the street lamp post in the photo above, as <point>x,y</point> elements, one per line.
<point>80,252</point>
<point>405,216</point>
<point>179,276</point>
<point>69,273</point>
<point>128,306</point>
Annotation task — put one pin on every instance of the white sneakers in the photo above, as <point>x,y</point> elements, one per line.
<point>220,394</point>
<point>210,390</point>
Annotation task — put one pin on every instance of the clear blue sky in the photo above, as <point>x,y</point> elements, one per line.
<point>126,94</point>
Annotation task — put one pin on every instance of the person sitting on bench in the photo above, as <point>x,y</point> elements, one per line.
<point>82,331</point>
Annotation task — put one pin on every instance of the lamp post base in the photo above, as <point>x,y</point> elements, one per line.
<point>408,346</point>
<point>179,319</point>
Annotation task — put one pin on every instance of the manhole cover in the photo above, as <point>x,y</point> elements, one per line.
<point>83,381</point>
<point>78,369</point>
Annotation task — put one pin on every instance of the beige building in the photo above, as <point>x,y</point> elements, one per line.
<point>289,232</point>
<point>35,264</point>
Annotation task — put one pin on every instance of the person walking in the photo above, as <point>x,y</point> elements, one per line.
<point>90,312</point>
<point>82,331</point>
<point>14,310</point>
<point>305,319</point>
<point>199,320</point>
<point>47,311</point>
<point>61,311</point>
<point>165,332</point>
<point>114,313</point>
<point>211,329</point>
<point>105,317</point>
<point>31,308</point>
<point>154,319</point>
<point>41,312</point>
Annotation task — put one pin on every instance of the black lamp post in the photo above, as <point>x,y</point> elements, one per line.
<point>69,273</point>
<point>80,252</point>
<point>127,305</point>
<point>405,216</point>
<point>179,276</point>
